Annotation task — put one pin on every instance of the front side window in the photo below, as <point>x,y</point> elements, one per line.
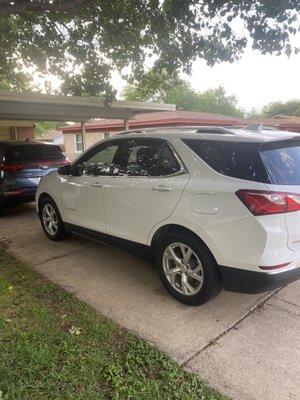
<point>99,161</point>
<point>78,143</point>
<point>148,157</point>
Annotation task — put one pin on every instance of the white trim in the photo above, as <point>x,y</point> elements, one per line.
<point>78,142</point>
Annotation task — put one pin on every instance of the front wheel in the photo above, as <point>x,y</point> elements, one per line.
<point>187,269</point>
<point>51,221</point>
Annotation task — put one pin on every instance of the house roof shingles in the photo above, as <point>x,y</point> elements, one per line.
<point>167,118</point>
<point>184,118</point>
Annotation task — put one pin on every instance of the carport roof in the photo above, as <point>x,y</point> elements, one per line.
<point>41,107</point>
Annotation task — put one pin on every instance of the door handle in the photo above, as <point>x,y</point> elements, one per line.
<point>162,188</point>
<point>97,185</point>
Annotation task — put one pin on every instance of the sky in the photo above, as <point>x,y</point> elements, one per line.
<point>255,79</point>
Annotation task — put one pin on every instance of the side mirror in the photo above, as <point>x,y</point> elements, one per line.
<point>64,170</point>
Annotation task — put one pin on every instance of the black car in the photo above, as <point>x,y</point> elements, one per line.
<point>22,164</point>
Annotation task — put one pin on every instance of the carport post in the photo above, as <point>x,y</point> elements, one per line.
<point>83,135</point>
<point>126,125</point>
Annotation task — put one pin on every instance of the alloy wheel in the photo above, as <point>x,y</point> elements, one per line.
<point>183,269</point>
<point>50,219</point>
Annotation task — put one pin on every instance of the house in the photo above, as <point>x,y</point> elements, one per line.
<point>282,122</point>
<point>97,130</point>
<point>55,137</point>
<point>16,130</point>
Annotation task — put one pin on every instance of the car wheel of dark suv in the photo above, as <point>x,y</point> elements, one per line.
<point>51,221</point>
<point>187,269</point>
<point>1,207</point>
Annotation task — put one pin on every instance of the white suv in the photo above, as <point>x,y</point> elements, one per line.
<point>212,206</point>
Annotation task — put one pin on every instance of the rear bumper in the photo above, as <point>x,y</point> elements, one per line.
<point>20,192</point>
<point>245,281</point>
<point>15,196</point>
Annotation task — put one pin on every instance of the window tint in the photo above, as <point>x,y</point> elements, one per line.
<point>27,153</point>
<point>100,161</point>
<point>143,157</point>
<point>239,160</point>
<point>282,161</point>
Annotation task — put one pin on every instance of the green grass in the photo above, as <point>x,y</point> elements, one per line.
<point>42,357</point>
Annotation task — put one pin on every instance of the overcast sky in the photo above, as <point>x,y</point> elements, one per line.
<point>255,79</point>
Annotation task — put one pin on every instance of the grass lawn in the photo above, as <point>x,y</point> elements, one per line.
<point>54,346</point>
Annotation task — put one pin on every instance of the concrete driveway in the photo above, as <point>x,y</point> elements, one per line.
<point>246,346</point>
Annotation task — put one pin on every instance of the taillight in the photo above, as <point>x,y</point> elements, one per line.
<point>261,202</point>
<point>11,167</point>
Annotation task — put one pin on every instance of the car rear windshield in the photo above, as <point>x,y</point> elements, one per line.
<point>27,153</point>
<point>236,159</point>
<point>282,161</point>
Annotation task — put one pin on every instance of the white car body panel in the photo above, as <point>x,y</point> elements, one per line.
<point>133,205</point>
<point>83,202</point>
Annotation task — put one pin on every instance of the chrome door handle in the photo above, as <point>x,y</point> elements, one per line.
<point>97,185</point>
<point>162,188</point>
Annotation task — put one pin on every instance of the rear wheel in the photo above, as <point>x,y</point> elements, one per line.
<point>51,221</point>
<point>1,207</point>
<point>187,269</point>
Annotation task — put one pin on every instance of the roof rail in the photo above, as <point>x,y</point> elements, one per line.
<point>259,127</point>
<point>215,129</point>
<point>197,129</point>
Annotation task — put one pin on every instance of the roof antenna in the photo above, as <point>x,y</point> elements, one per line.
<point>254,128</point>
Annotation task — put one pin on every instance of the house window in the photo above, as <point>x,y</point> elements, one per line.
<point>106,135</point>
<point>78,143</point>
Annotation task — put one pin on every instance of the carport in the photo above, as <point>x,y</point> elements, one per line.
<point>28,107</point>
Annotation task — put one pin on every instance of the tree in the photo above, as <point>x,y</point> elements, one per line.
<point>43,127</point>
<point>163,88</point>
<point>291,107</point>
<point>217,101</point>
<point>82,41</point>
<point>180,92</point>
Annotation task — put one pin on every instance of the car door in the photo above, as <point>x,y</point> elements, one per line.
<point>83,192</point>
<point>147,192</point>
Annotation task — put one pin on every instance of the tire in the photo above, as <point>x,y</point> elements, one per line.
<point>55,231</point>
<point>1,207</point>
<point>201,280</point>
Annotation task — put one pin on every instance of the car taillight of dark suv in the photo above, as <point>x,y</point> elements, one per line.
<point>22,164</point>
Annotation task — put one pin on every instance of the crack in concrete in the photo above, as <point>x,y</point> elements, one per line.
<point>286,301</point>
<point>51,258</point>
<point>215,340</point>
<point>283,309</point>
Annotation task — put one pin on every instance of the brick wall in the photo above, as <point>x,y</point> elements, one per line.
<point>25,132</point>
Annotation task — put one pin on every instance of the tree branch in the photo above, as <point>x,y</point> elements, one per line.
<point>24,6</point>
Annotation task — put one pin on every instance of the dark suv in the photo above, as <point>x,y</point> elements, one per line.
<point>22,164</point>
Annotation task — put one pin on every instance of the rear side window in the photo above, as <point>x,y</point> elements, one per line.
<point>282,161</point>
<point>238,160</point>
<point>26,153</point>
